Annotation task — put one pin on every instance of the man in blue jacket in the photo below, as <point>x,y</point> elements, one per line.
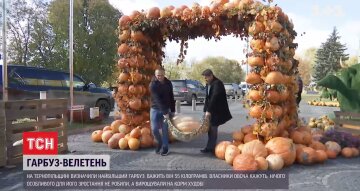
<point>216,107</point>
<point>162,105</point>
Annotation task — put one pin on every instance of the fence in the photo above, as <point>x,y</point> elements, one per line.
<point>21,116</point>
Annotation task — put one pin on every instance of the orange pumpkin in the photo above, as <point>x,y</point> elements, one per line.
<point>135,133</point>
<point>256,27</point>
<point>253,78</point>
<point>137,36</point>
<point>245,162</point>
<point>106,128</point>
<point>274,77</point>
<point>123,143</point>
<point>124,21</point>
<point>153,13</point>
<point>135,104</point>
<point>135,15</point>
<point>240,147</point>
<point>123,49</point>
<point>257,45</point>
<point>317,145</point>
<point>96,136</point>
<point>221,148</point>
<point>106,135</point>
<point>256,111</point>
<point>284,147</point>
<point>255,95</point>
<point>249,137</point>
<point>297,137</point>
<point>238,135</point>
<point>307,138</point>
<point>247,129</point>
<point>256,61</point>
<point>146,141</point>
<point>231,152</point>
<point>262,163</point>
<point>145,131</point>
<point>275,26</point>
<point>355,152</point>
<point>331,154</point>
<point>115,126</point>
<point>272,44</point>
<point>306,155</point>
<point>113,143</point>
<point>165,12</point>
<point>255,148</point>
<point>273,96</point>
<point>236,143</point>
<point>134,144</point>
<point>347,152</point>
<point>123,128</point>
<point>124,77</point>
<point>124,36</point>
<point>320,156</point>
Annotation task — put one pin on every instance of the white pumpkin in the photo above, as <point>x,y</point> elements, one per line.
<point>231,152</point>
<point>275,162</point>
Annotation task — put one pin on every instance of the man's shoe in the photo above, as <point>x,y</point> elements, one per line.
<point>165,152</point>
<point>206,150</point>
<point>157,150</point>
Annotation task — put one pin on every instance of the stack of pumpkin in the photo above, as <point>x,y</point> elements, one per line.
<point>272,75</point>
<point>119,135</point>
<point>252,154</point>
<point>324,103</point>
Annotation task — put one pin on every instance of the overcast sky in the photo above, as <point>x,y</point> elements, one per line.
<point>316,18</point>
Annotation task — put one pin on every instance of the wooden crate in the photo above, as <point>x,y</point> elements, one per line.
<point>41,115</point>
<point>347,122</point>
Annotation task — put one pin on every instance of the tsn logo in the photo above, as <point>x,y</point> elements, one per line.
<point>40,143</point>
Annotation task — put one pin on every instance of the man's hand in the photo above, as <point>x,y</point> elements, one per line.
<point>207,113</point>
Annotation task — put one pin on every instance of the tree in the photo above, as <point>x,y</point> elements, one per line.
<point>174,71</point>
<point>306,63</point>
<point>229,71</point>
<point>328,56</point>
<point>95,37</point>
<point>20,15</point>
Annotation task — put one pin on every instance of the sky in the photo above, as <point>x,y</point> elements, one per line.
<point>315,18</point>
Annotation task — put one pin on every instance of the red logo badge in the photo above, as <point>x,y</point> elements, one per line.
<point>40,143</point>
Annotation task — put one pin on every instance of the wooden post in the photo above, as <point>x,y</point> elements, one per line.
<point>193,105</point>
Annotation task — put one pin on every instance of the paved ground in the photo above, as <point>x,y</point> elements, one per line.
<point>339,174</point>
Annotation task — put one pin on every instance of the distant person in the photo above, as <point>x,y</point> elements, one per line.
<point>216,107</point>
<point>162,106</point>
<point>300,85</point>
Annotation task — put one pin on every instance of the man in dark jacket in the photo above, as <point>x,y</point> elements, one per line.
<point>300,84</point>
<point>216,107</point>
<point>162,105</point>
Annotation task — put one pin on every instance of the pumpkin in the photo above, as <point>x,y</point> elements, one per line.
<point>284,147</point>
<point>255,95</point>
<point>153,13</point>
<point>307,138</point>
<point>333,146</point>
<point>106,128</point>
<point>135,104</point>
<point>238,135</point>
<point>236,143</point>
<point>146,141</point>
<point>123,89</point>
<point>118,136</point>
<point>256,27</point>
<point>115,126</point>
<point>272,96</point>
<point>240,147</point>
<point>268,130</point>
<point>256,61</point>
<point>123,48</point>
<point>249,137</point>
<point>247,129</point>
<point>255,148</point>
<point>137,36</point>
<point>347,152</point>
<point>134,15</point>
<point>331,154</point>
<point>297,137</point>
<point>96,136</point>
<point>274,77</point>
<point>145,131</point>
<point>262,163</point>
<point>257,45</point>
<point>124,21</point>
<point>221,148</point>
<point>165,12</point>
<point>135,133</point>
<point>124,77</point>
<point>253,78</point>
<point>274,112</point>
<point>245,162</point>
<point>134,144</point>
<point>275,161</point>
<point>256,111</point>
<point>275,26</point>
<point>306,155</point>
<point>124,36</point>
<point>317,145</point>
<point>188,126</point>
<point>272,44</point>
<point>123,128</point>
<point>106,135</point>
<point>355,152</point>
<point>113,143</point>
<point>320,156</point>
<point>123,143</point>
<point>231,152</point>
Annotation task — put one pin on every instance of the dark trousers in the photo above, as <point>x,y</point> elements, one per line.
<point>212,137</point>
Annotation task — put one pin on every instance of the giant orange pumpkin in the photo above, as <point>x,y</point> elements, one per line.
<point>255,148</point>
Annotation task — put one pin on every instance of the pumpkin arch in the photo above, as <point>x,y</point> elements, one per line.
<point>143,35</point>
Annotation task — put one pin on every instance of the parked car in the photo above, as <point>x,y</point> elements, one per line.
<point>244,88</point>
<point>230,91</point>
<point>187,90</point>
<point>27,82</point>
